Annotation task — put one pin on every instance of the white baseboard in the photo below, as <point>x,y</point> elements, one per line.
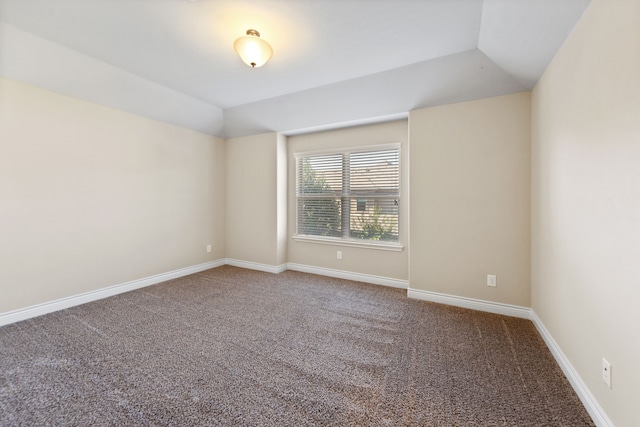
<point>474,304</point>
<point>590,403</point>
<point>62,303</point>
<point>275,269</point>
<point>358,277</point>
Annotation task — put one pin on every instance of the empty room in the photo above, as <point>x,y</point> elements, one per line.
<point>320,212</point>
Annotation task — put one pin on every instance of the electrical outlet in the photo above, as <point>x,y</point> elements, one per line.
<point>208,248</point>
<point>339,255</point>
<point>606,372</point>
<point>492,280</point>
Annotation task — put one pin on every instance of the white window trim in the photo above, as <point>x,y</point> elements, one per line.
<point>393,145</point>
<point>355,243</point>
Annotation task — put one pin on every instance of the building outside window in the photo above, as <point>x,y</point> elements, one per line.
<point>349,195</point>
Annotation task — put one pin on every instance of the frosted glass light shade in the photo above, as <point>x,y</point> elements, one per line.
<point>254,51</point>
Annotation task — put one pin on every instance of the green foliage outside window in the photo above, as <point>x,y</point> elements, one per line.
<point>373,226</point>
<point>317,216</point>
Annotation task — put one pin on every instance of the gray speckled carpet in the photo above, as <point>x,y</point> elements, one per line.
<point>230,346</point>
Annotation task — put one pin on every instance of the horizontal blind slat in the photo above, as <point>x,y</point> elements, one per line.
<point>369,182</point>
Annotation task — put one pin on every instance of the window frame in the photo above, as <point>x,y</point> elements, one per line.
<point>351,241</point>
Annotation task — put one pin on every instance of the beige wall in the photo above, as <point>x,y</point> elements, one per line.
<point>255,203</point>
<point>282,194</point>
<point>586,202</point>
<point>374,262</point>
<point>93,197</point>
<point>470,199</point>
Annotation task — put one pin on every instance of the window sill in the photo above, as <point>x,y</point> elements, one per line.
<point>383,246</point>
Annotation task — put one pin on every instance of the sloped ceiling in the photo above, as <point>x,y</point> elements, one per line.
<point>336,62</point>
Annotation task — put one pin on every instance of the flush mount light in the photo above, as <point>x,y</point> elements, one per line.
<point>254,51</point>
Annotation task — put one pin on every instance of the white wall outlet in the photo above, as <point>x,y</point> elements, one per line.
<point>339,255</point>
<point>606,372</point>
<point>208,248</point>
<point>492,280</point>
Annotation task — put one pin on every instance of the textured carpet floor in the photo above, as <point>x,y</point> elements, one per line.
<point>236,347</point>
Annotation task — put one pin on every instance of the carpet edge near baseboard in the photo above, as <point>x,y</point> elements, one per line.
<point>71,301</point>
<point>348,275</point>
<point>586,397</point>
<point>471,303</point>
<point>592,406</point>
<point>594,409</point>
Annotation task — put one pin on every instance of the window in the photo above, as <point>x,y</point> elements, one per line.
<point>349,195</point>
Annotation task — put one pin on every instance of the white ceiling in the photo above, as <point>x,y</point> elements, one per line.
<point>335,61</point>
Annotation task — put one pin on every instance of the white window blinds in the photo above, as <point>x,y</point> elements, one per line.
<point>349,194</point>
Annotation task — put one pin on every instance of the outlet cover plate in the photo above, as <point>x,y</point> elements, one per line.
<point>492,280</point>
<point>606,372</point>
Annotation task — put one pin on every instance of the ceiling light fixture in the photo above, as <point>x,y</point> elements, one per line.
<point>252,49</point>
